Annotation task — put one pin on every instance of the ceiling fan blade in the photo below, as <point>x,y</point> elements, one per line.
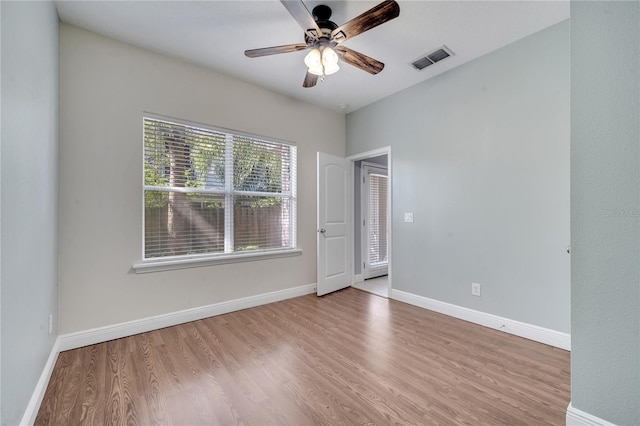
<point>385,11</point>
<point>359,60</point>
<point>266,51</point>
<point>303,17</point>
<point>310,80</point>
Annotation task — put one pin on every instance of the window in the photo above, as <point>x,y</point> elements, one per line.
<point>378,260</point>
<point>212,192</point>
<point>375,246</point>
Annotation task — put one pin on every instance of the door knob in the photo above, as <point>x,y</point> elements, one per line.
<point>322,230</point>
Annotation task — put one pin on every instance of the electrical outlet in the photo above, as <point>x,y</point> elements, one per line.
<point>50,323</point>
<point>408,217</point>
<point>475,289</point>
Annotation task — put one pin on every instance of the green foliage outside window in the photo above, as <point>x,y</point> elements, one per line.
<point>186,191</point>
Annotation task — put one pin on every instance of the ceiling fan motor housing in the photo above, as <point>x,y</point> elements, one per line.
<point>321,15</point>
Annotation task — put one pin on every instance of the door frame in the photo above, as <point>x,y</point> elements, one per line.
<point>364,156</point>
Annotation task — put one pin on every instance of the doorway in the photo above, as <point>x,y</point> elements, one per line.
<point>372,221</point>
<point>350,246</point>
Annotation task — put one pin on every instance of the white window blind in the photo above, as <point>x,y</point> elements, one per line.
<point>210,191</point>
<point>378,257</point>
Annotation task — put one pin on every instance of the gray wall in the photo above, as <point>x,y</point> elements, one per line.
<point>605,205</point>
<point>105,86</point>
<point>29,190</point>
<point>481,156</point>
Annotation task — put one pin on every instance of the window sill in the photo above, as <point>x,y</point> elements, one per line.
<point>195,262</point>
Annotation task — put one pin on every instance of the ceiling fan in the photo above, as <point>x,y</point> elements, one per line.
<point>324,39</point>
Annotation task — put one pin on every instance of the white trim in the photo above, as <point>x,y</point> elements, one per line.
<point>358,278</point>
<point>193,262</point>
<point>389,218</point>
<point>129,328</point>
<point>31,411</point>
<point>577,417</point>
<point>364,207</point>
<point>533,332</point>
<point>368,154</point>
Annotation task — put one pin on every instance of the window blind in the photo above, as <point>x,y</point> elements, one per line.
<point>211,191</point>
<point>378,258</point>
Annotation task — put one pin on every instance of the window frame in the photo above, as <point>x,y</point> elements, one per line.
<point>154,264</point>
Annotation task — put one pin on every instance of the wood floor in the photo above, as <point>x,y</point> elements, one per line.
<point>346,358</point>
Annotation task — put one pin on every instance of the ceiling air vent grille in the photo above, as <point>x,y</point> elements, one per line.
<point>431,58</point>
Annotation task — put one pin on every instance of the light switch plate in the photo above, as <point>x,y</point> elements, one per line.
<point>408,217</point>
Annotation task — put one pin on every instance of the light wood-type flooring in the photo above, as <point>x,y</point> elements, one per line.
<point>346,358</point>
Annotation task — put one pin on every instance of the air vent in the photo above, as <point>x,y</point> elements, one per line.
<point>431,58</point>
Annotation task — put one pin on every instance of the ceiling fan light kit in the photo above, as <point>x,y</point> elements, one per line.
<point>323,37</point>
<point>321,64</point>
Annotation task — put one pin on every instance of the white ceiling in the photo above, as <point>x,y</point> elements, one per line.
<point>215,34</point>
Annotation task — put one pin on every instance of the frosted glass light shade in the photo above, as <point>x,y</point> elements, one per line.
<point>330,61</point>
<point>329,56</point>
<point>313,61</point>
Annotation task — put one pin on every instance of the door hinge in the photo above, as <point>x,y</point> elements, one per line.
<point>362,179</point>
<point>363,222</point>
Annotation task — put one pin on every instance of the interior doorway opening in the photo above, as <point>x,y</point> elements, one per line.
<point>372,220</point>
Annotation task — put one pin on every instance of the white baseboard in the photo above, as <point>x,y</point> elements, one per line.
<point>116,331</point>
<point>31,412</point>
<point>69,341</point>
<point>577,417</point>
<point>358,278</point>
<point>102,334</point>
<point>533,332</point>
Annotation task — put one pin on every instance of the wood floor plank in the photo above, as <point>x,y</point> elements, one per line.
<point>345,358</point>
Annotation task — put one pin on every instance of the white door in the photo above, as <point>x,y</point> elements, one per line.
<point>334,224</point>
